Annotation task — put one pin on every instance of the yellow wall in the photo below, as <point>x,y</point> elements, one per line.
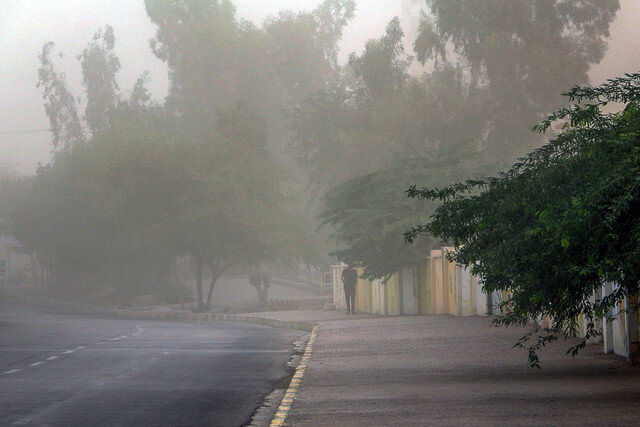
<point>436,282</point>
<point>363,293</point>
<point>378,297</point>
<point>451,288</point>
<point>424,290</point>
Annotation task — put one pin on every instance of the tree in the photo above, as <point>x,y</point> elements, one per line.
<point>216,60</point>
<point>260,279</point>
<point>95,214</point>
<point>524,52</point>
<point>339,132</point>
<point>561,222</point>
<point>369,213</point>
<point>233,85</point>
<point>365,142</point>
<point>383,65</point>
<point>99,68</point>
<point>71,213</point>
<point>235,211</point>
<point>303,46</point>
<point>379,113</point>
<point>60,104</point>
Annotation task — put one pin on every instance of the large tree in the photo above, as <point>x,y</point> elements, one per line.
<point>439,129</point>
<point>217,63</point>
<point>377,113</point>
<point>369,213</point>
<point>343,130</point>
<point>560,223</point>
<point>235,212</point>
<point>493,69</point>
<point>525,52</point>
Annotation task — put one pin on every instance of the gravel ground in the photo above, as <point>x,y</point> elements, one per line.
<point>443,370</point>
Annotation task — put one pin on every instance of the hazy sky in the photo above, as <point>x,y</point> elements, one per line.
<point>25,25</point>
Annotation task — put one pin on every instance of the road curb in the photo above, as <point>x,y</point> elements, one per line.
<point>209,317</point>
<point>281,414</point>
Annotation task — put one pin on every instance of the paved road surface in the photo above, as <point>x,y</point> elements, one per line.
<point>67,369</point>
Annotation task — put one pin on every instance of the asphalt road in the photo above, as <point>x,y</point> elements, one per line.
<point>63,368</point>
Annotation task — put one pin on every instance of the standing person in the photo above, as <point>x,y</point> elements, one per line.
<point>349,279</point>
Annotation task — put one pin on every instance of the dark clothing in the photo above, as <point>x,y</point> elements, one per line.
<point>349,279</point>
<point>350,296</point>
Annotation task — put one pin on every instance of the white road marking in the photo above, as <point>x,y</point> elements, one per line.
<point>68,352</point>
<point>52,358</point>
<point>79,348</point>
<point>36,364</point>
<point>114,339</point>
<point>166,352</point>
<point>13,371</point>
<point>102,342</point>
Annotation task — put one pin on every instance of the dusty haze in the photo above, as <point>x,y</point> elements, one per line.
<point>25,25</point>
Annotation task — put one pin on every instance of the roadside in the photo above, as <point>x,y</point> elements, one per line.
<point>448,370</point>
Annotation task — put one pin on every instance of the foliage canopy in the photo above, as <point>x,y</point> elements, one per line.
<point>561,222</point>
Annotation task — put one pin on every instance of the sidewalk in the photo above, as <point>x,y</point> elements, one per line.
<point>444,370</point>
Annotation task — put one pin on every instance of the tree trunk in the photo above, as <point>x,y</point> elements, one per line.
<point>199,282</point>
<point>217,267</point>
<point>214,278</point>
<point>259,290</point>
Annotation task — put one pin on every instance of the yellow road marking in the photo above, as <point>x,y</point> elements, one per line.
<point>285,406</point>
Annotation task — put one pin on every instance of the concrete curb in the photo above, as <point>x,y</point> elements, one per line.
<point>280,417</point>
<point>209,317</point>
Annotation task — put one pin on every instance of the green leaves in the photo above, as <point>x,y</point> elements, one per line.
<point>370,214</point>
<point>561,222</point>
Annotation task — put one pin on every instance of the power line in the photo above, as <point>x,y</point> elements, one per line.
<point>19,132</point>
<point>22,162</point>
